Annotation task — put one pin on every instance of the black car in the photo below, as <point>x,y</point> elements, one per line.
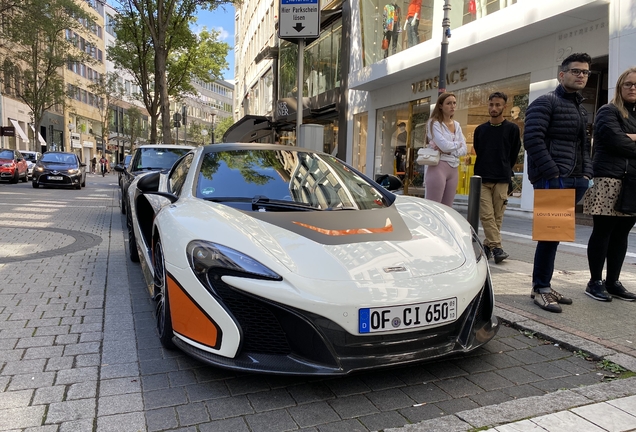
<point>124,166</point>
<point>59,169</point>
<point>145,159</point>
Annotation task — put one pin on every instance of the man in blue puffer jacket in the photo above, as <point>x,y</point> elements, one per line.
<point>558,148</point>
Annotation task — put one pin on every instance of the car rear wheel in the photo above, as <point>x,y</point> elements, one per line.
<point>132,246</point>
<point>162,309</point>
<point>123,206</point>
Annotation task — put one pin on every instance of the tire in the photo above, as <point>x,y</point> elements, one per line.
<point>123,206</point>
<point>25,178</point>
<point>84,181</point>
<point>162,307</point>
<point>35,184</point>
<point>15,178</point>
<point>79,186</point>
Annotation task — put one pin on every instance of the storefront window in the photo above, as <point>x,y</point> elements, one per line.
<point>472,110</point>
<point>465,11</point>
<point>321,70</point>
<point>359,147</point>
<point>391,26</point>
<point>401,132</point>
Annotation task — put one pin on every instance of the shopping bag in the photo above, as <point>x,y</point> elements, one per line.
<point>385,44</point>
<point>554,218</point>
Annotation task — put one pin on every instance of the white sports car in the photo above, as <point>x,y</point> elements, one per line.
<point>278,259</point>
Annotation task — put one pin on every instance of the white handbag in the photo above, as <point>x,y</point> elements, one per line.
<point>427,156</point>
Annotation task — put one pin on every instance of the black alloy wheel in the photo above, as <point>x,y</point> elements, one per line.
<point>162,308</point>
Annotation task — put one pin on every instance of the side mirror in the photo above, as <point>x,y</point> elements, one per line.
<point>149,182</point>
<point>119,168</point>
<point>389,182</point>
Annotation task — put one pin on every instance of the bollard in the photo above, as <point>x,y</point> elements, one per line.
<point>473,202</point>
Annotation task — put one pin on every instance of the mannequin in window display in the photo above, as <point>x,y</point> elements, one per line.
<point>400,148</point>
<point>515,112</point>
<point>412,22</point>
<point>478,8</point>
<point>391,26</point>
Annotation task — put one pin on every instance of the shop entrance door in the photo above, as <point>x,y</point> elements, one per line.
<point>419,112</point>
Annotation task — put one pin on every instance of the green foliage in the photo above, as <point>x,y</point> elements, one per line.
<point>34,40</point>
<point>109,90</point>
<point>610,366</point>
<point>221,127</point>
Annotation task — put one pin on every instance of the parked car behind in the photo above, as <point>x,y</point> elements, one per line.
<point>59,169</point>
<point>124,166</point>
<point>13,167</point>
<point>31,158</point>
<point>146,158</point>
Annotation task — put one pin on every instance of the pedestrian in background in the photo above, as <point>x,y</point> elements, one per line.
<point>93,164</point>
<point>558,149</point>
<point>614,164</point>
<point>496,144</point>
<point>444,134</point>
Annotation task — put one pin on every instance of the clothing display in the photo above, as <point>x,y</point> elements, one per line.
<point>391,26</point>
<point>413,22</point>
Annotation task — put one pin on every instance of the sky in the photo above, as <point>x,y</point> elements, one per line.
<point>221,20</point>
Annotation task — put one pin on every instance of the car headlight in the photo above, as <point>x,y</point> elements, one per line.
<point>72,171</point>
<point>39,168</point>
<point>478,248</point>
<point>209,261</point>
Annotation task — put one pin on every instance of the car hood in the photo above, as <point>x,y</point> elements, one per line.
<point>410,239</point>
<point>4,161</point>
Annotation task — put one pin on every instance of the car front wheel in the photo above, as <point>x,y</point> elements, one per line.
<point>162,308</point>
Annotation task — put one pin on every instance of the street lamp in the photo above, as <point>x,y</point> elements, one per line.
<point>71,128</point>
<point>204,133</point>
<point>213,113</point>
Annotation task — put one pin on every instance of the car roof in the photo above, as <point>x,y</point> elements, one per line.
<point>166,146</point>
<point>212,148</point>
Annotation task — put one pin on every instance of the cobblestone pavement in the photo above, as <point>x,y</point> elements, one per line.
<point>79,352</point>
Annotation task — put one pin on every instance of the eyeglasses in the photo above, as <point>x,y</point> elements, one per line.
<point>628,85</point>
<point>578,72</point>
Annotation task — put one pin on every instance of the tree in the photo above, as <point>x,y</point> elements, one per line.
<point>39,39</point>
<point>221,127</point>
<point>178,53</point>
<point>109,91</point>
<point>134,125</point>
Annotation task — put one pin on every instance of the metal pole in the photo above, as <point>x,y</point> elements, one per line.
<point>474,196</point>
<point>213,118</point>
<point>444,55</point>
<point>299,103</point>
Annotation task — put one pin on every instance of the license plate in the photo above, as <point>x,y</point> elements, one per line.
<point>54,177</point>
<point>372,320</point>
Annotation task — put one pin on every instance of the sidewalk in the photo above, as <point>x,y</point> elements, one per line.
<point>605,331</point>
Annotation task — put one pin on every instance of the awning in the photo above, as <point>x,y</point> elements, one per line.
<point>249,129</point>
<point>19,130</point>
<point>40,138</point>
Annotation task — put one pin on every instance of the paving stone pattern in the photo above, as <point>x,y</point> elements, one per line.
<point>79,350</point>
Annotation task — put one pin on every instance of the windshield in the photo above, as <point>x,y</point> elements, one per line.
<point>6,154</point>
<point>158,158</point>
<point>321,182</point>
<point>29,156</point>
<point>60,158</point>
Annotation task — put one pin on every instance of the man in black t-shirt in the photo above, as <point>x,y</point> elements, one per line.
<point>496,143</point>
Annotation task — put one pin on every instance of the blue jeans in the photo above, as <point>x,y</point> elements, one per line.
<point>545,253</point>
<point>411,31</point>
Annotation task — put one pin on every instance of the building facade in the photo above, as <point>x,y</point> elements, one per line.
<point>496,45</point>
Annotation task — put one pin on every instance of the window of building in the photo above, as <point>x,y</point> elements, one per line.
<point>394,21</point>
<point>466,11</point>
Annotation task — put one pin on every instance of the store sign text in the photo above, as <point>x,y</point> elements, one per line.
<point>432,83</point>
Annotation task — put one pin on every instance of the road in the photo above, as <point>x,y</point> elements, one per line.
<point>79,352</point>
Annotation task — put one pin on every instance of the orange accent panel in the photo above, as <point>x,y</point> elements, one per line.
<point>189,320</point>
<point>388,227</point>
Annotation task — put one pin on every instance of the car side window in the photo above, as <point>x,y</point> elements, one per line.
<point>178,174</point>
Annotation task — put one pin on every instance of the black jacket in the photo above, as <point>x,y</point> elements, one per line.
<point>614,151</point>
<point>555,124</point>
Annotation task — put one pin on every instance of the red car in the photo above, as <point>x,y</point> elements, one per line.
<point>13,166</point>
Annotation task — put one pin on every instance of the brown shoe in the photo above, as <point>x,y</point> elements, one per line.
<point>546,301</point>
<point>560,298</point>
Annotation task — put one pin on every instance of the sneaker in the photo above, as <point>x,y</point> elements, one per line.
<point>499,255</point>
<point>546,302</point>
<point>487,252</point>
<point>596,290</point>
<point>618,290</point>
<point>560,298</point>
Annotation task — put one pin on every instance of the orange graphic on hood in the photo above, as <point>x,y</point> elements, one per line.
<point>388,227</point>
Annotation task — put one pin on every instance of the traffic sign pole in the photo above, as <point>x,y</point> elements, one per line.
<point>299,103</point>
